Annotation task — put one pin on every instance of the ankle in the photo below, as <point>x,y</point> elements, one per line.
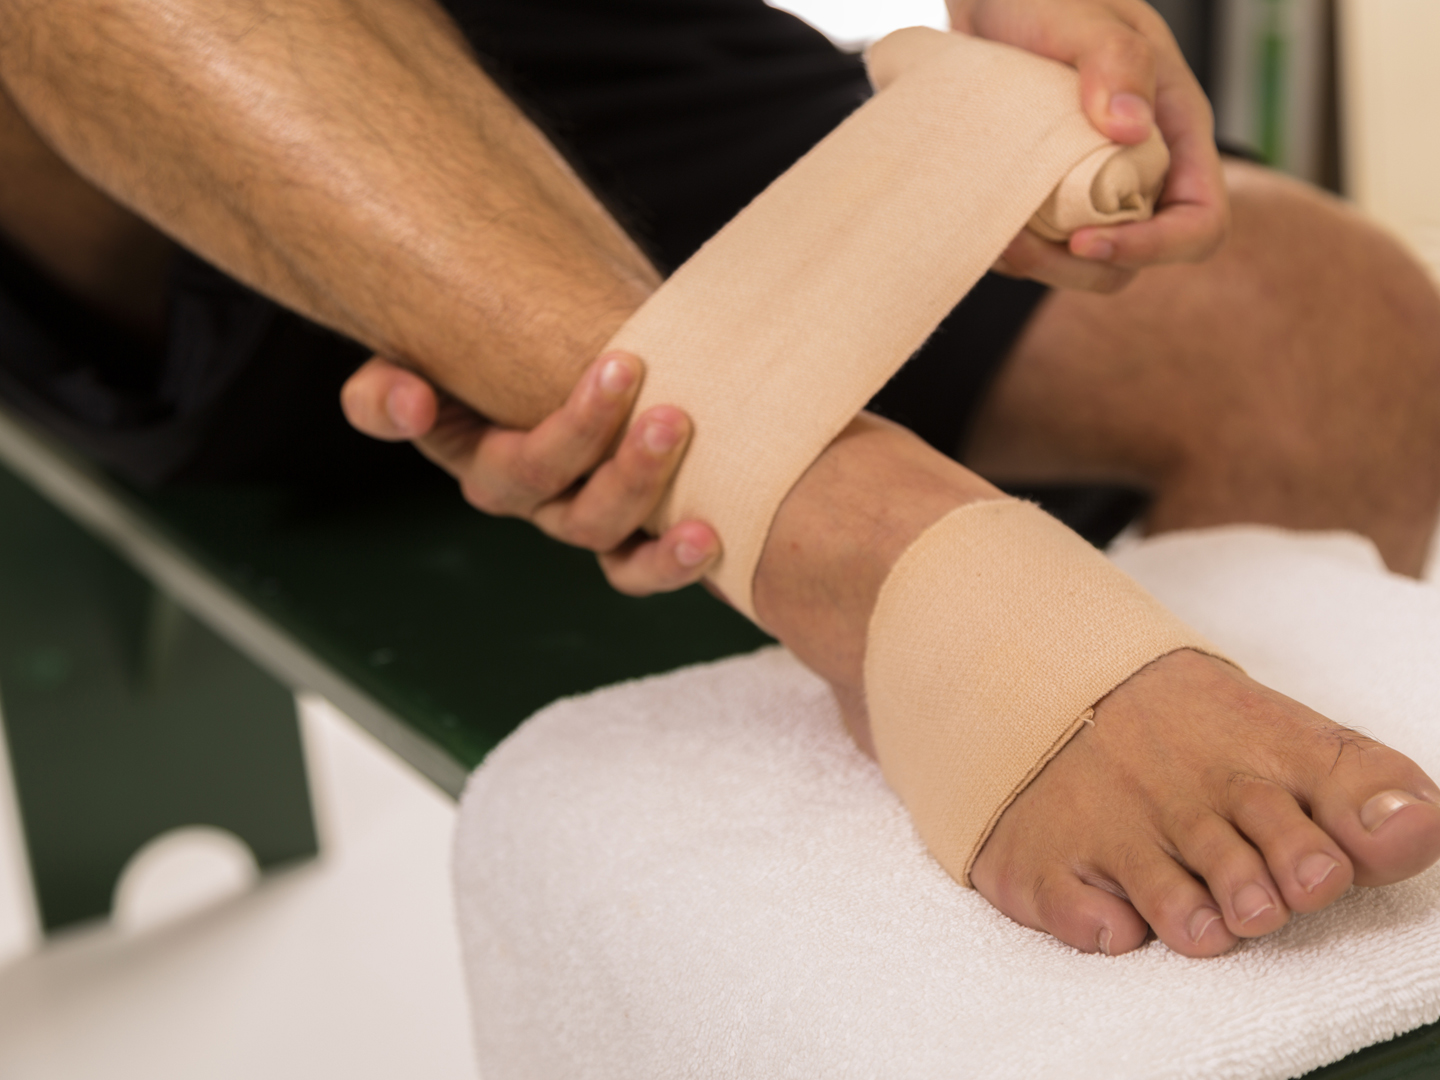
<point>852,515</point>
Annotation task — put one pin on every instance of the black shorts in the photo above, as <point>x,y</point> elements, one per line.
<point>676,112</point>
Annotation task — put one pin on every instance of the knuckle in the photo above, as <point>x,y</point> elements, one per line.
<point>587,535</point>
<point>1127,47</point>
<point>535,475</point>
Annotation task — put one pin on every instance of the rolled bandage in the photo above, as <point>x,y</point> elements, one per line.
<point>993,636</point>
<point>780,329</point>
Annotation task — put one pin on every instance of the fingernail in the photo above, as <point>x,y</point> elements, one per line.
<point>1251,902</point>
<point>688,555</point>
<point>1131,107</point>
<point>616,377</point>
<point>1382,808</point>
<point>394,411</point>
<point>1201,922</point>
<point>1313,870</point>
<point>660,438</point>
<point>1098,249</point>
<point>1102,939</point>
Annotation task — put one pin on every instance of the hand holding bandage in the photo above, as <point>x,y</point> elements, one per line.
<point>814,295</point>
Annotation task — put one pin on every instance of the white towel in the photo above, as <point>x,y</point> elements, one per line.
<point>697,875</point>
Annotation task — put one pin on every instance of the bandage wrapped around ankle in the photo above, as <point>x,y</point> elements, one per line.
<point>992,638</point>
<point>998,628</point>
<point>779,330</point>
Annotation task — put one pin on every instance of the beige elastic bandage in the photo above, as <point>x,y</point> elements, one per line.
<point>780,329</point>
<point>993,636</point>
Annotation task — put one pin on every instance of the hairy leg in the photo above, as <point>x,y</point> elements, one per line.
<point>1294,380</point>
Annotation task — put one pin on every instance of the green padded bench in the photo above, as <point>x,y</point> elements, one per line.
<point>150,644</point>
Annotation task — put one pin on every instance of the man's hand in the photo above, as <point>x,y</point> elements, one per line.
<point>557,475</point>
<point>1131,75</point>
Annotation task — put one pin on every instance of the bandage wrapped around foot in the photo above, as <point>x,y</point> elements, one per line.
<point>780,329</point>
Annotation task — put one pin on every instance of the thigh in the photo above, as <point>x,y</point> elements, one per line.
<point>1308,328</point>
<point>1293,379</point>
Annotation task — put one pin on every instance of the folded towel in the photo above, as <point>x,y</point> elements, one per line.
<point>697,875</point>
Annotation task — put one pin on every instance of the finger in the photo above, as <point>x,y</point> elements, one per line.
<point>574,439</point>
<point>1180,233</point>
<point>512,473</point>
<point>621,494</point>
<point>388,402</point>
<point>1030,256</point>
<point>1117,65</point>
<point>452,440</point>
<point>679,558</point>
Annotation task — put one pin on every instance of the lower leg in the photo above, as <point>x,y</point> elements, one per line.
<point>1292,380</point>
<point>82,239</point>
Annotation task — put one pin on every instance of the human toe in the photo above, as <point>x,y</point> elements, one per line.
<point>1306,864</point>
<point>1382,810</point>
<point>1237,875</point>
<point>1078,913</point>
<point>1182,912</point>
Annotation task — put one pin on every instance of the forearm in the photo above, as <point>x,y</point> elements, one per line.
<point>349,159</point>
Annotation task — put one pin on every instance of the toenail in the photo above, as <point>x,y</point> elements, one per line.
<point>1201,921</point>
<point>1251,901</point>
<point>1313,870</point>
<point>1102,939</point>
<point>1382,808</point>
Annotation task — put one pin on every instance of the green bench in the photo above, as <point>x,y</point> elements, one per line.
<point>150,644</point>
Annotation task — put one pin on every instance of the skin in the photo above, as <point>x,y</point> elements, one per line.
<point>1197,786</point>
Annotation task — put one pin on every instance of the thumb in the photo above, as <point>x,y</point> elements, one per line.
<point>388,402</point>
<point>1117,81</point>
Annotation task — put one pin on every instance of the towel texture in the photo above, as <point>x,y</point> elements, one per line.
<point>697,875</point>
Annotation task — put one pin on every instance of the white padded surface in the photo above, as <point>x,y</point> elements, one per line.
<point>697,875</point>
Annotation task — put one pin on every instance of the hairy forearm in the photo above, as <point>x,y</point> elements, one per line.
<point>350,159</point>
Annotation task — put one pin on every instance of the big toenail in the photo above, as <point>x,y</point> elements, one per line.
<point>1102,939</point>
<point>1201,922</point>
<point>1382,808</point>
<point>1252,900</point>
<point>1313,870</point>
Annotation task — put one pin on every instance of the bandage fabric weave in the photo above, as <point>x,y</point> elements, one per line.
<point>992,637</point>
<point>775,334</point>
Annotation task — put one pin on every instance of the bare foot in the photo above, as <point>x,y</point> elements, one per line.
<point>1206,807</point>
